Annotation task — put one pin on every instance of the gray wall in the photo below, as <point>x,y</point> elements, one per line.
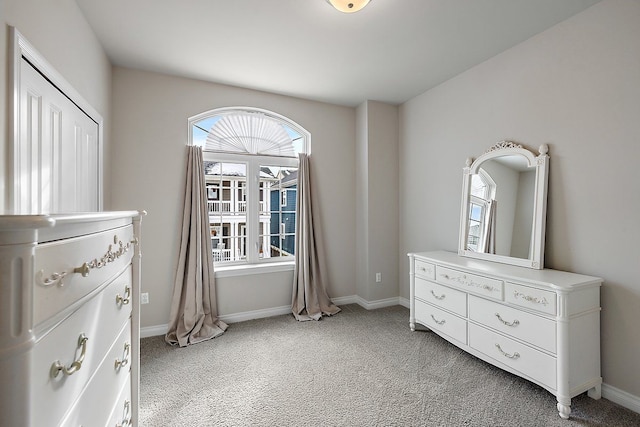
<point>150,136</point>
<point>377,200</point>
<point>58,30</point>
<point>576,87</point>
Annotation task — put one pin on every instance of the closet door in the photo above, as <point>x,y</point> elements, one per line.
<point>57,159</point>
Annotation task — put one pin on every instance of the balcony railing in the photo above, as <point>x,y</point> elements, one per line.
<point>224,206</point>
<point>217,206</point>
<point>222,255</point>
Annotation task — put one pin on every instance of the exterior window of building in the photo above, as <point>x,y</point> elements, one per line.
<point>251,174</point>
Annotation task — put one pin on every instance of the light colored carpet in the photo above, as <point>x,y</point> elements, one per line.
<point>358,368</point>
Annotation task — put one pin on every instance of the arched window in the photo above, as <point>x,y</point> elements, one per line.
<point>251,172</point>
<point>483,191</point>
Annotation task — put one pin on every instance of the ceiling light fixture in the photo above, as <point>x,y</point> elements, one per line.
<point>348,6</point>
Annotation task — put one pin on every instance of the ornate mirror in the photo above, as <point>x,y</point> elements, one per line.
<point>504,202</point>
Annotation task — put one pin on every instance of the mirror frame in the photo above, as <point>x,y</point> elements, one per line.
<point>541,163</point>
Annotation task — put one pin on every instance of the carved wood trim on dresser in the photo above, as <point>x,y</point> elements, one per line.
<point>69,310</point>
<point>542,325</point>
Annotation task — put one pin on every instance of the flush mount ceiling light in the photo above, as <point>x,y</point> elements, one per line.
<point>348,6</point>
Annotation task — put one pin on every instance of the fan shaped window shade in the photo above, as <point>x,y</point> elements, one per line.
<point>247,132</point>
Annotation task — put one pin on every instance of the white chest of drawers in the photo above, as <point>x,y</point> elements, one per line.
<point>543,325</point>
<point>69,340</point>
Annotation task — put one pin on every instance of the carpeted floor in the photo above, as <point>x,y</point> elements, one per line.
<point>358,368</point>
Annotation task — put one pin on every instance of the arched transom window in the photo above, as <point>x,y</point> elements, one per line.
<point>251,172</point>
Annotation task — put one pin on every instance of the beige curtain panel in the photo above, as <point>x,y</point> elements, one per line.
<point>193,315</point>
<point>310,300</point>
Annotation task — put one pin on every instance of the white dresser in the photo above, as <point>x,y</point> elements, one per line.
<point>542,325</point>
<point>69,309</point>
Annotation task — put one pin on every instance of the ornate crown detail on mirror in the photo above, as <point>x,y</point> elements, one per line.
<point>504,205</point>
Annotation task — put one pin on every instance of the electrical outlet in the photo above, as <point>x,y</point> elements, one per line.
<point>144,298</point>
<point>378,277</point>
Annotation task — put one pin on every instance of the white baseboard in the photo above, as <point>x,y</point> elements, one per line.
<point>255,314</point>
<point>381,303</point>
<point>620,397</point>
<point>153,331</point>
<point>352,299</point>
<point>404,302</point>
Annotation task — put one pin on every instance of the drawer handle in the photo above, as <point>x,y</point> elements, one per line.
<point>110,256</point>
<point>516,322</point>
<point>441,297</point>
<point>121,363</point>
<point>515,355</point>
<point>126,415</point>
<point>439,322</point>
<point>124,300</point>
<point>464,280</point>
<point>529,298</point>
<point>58,367</point>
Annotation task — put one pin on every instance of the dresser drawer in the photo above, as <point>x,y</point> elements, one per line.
<point>122,413</point>
<point>70,269</point>
<point>473,283</point>
<point>442,321</point>
<point>534,364</point>
<point>535,330</point>
<point>425,269</point>
<point>532,298</point>
<point>100,319</point>
<point>442,296</point>
<point>98,400</point>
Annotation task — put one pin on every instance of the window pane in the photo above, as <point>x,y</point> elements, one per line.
<point>478,186</point>
<point>278,222</point>
<point>226,204</point>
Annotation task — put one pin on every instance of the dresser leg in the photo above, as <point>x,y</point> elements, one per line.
<point>412,326</point>
<point>595,393</point>
<point>564,410</point>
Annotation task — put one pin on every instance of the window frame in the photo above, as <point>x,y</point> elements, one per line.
<point>252,187</point>
<point>483,203</point>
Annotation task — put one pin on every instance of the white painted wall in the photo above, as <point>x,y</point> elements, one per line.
<point>58,30</point>
<point>149,138</point>
<point>576,87</point>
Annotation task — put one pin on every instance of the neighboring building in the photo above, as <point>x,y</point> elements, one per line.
<point>283,213</point>
<point>227,207</point>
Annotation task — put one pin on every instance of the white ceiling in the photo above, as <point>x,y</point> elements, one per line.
<point>390,51</point>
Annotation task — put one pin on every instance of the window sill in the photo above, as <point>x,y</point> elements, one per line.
<point>247,269</point>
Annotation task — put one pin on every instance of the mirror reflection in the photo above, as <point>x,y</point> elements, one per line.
<point>501,198</point>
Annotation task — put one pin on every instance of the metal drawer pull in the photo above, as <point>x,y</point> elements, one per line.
<point>126,415</point>
<point>110,256</point>
<point>439,322</point>
<point>57,367</point>
<point>436,296</point>
<point>510,356</point>
<point>530,298</point>
<point>127,294</point>
<point>464,280</point>
<point>121,363</point>
<point>504,322</point>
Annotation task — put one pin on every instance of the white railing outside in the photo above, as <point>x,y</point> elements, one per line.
<point>242,206</point>
<point>217,206</point>
<point>222,255</point>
